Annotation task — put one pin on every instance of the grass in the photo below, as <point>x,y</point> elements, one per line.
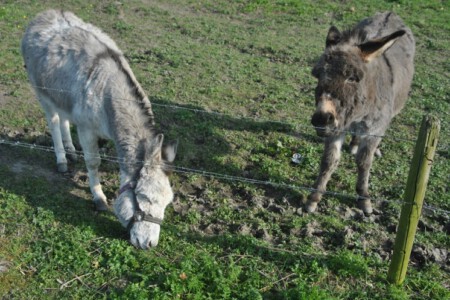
<point>249,63</point>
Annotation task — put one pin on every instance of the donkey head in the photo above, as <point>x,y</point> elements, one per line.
<point>344,83</point>
<point>140,206</point>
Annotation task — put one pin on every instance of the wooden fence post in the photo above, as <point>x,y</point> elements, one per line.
<point>413,198</point>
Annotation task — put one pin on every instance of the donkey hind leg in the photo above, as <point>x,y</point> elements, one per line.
<point>364,158</point>
<point>67,140</point>
<point>89,143</point>
<point>354,144</point>
<point>53,121</point>
<point>330,161</point>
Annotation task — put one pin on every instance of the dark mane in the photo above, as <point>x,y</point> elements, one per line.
<point>139,92</point>
<point>356,33</point>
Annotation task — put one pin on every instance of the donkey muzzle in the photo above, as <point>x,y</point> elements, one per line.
<point>323,122</point>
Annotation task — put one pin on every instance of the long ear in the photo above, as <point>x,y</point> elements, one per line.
<point>154,152</point>
<point>333,37</point>
<point>169,151</point>
<point>375,48</point>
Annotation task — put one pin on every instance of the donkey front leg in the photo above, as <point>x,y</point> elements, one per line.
<point>364,158</point>
<point>67,140</point>
<point>89,143</point>
<point>330,161</point>
<point>54,125</point>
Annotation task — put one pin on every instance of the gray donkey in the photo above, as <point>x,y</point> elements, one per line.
<point>80,76</point>
<point>364,77</point>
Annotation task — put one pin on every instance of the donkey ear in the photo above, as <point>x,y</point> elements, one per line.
<point>374,48</point>
<point>156,145</point>
<point>333,37</point>
<point>169,151</point>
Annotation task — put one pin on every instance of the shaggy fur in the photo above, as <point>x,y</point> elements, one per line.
<point>80,76</point>
<point>364,77</point>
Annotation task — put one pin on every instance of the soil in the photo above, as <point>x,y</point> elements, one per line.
<point>193,196</point>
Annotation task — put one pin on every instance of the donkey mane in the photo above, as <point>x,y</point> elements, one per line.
<point>364,31</point>
<point>117,56</point>
<point>358,35</point>
<point>139,92</point>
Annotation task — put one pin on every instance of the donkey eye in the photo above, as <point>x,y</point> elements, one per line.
<point>351,79</point>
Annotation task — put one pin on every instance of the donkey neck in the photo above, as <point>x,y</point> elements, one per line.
<point>132,128</point>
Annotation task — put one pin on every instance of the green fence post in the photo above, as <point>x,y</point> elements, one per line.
<point>413,199</point>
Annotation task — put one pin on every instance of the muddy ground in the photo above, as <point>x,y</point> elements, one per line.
<point>193,196</point>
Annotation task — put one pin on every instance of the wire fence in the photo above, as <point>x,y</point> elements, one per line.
<point>220,176</point>
<point>295,126</point>
<point>223,115</point>
<point>187,170</point>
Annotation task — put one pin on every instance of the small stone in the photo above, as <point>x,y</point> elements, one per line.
<point>419,254</point>
<point>439,255</point>
<point>377,211</point>
<point>348,232</point>
<point>276,209</point>
<point>349,213</point>
<point>312,229</point>
<point>244,229</point>
<point>4,266</point>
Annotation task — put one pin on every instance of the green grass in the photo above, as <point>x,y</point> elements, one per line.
<point>250,61</point>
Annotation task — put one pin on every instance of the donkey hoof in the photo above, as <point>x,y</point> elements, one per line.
<point>100,205</point>
<point>62,168</point>
<point>311,206</point>
<point>354,149</point>
<point>366,206</point>
<point>378,153</point>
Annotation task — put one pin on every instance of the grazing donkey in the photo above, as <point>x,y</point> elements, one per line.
<point>364,77</point>
<point>80,76</point>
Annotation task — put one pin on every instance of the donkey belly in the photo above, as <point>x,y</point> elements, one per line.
<point>82,109</point>
<point>92,118</point>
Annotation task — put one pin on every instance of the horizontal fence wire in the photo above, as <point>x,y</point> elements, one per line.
<point>185,170</point>
<point>217,175</point>
<point>296,126</point>
<point>223,115</point>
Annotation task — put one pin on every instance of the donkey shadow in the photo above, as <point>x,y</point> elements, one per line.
<point>32,174</point>
<point>203,144</point>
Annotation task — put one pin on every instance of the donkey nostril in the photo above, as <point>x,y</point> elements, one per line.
<point>329,118</point>
<point>322,119</point>
<point>315,120</point>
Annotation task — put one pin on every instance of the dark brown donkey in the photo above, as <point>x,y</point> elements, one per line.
<point>364,77</point>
